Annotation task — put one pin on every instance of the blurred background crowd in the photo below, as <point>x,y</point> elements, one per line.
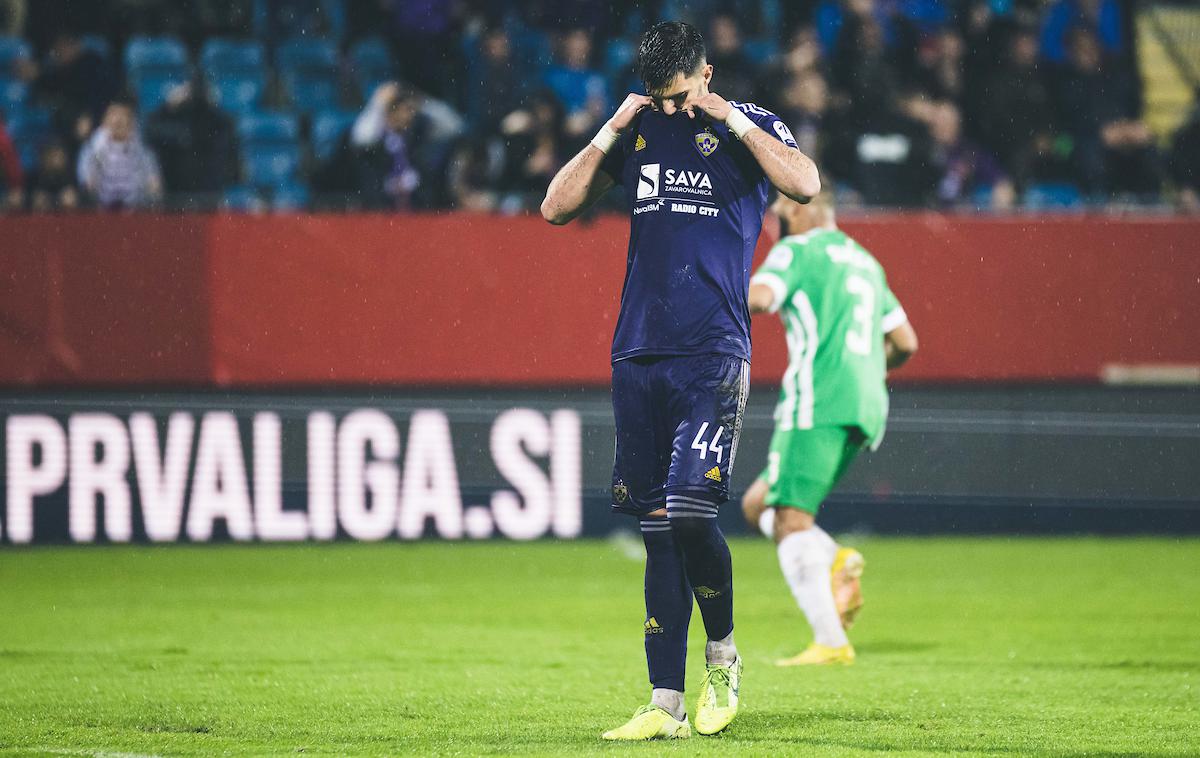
<point>250,105</point>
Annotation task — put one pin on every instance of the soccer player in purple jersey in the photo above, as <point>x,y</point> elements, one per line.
<point>696,169</point>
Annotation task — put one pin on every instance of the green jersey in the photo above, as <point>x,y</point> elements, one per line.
<point>834,301</point>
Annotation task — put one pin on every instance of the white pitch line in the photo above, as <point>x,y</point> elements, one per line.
<point>94,753</point>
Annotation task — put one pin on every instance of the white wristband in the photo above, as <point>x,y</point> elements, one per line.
<point>739,123</point>
<point>605,138</point>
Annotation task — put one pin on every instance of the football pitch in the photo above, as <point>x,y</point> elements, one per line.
<point>969,646</point>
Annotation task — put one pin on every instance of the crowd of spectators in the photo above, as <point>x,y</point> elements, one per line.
<point>905,103</point>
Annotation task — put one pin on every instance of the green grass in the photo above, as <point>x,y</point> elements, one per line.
<point>976,646</point>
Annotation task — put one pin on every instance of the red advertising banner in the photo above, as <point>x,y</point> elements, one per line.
<point>474,300</point>
<point>111,300</point>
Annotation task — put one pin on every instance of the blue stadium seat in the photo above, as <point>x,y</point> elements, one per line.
<point>371,63</point>
<point>760,51</point>
<point>367,85</point>
<point>310,93</point>
<point>771,15</point>
<point>153,53</point>
<point>238,92</point>
<point>335,13</point>
<point>13,95</point>
<point>98,44</point>
<point>981,198</point>
<point>1051,195</point>
<point>618,58</point>
<point>928,15</point>
<point>221,55</point>
<point>531,49</point>
<point>11,49</point>
<point>371,52</point>
<point>290,198</point>
<point>29,129</point>
<point>29,122</point>
<point>260,18</point>
<point>152,88</point>
<point>309,55</point>
<point>327,128</point>
<point>267,128</point>
<point>297,17</point>
<point>243,200</point>
<point>267,166</point>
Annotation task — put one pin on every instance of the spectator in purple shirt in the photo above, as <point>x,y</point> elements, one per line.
<point>116,168</point>
<point>389,121</point>
<point>964,168</point>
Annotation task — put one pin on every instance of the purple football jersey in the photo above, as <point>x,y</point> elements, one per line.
<point>696,200</point>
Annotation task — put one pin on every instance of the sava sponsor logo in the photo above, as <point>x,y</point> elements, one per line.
<point>695,182</point>
<point>174,476</point>
<point>653,178</point>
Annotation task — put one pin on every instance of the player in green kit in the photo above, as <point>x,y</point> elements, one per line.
<point>845,329</point>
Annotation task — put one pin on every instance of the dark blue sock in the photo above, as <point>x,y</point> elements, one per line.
<point>668,605</point>
<point>706,559</point>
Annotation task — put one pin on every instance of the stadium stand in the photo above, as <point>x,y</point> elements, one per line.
<point>370,63</point>
<point>329,126</point>
<point>238,92</point>
<point>12,49</point>
<point>837,72</point>
<point>13,94</point>
<point>290,198</point>
<point>29,128</point>
<point>223,56</point>
<point>243,200</point>
<point>270,150</point>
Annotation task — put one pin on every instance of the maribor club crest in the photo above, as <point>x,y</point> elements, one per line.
<point>706,142</point>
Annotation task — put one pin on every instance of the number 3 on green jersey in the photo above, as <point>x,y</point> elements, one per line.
<point>833,298</point>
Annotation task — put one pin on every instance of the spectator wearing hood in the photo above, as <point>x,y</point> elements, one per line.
<point>194,141</point>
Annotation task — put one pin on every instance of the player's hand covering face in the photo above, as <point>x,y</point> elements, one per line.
<point>632,106</point>
<point>714,105</point>
<point>686,93</point>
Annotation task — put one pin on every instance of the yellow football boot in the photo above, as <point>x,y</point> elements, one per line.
<point>650,723</point>
<point>821,655</point>
<point>846,578</point>
<point>718,696</point>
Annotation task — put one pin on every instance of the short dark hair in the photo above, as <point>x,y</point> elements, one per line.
<point>667,49</point>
